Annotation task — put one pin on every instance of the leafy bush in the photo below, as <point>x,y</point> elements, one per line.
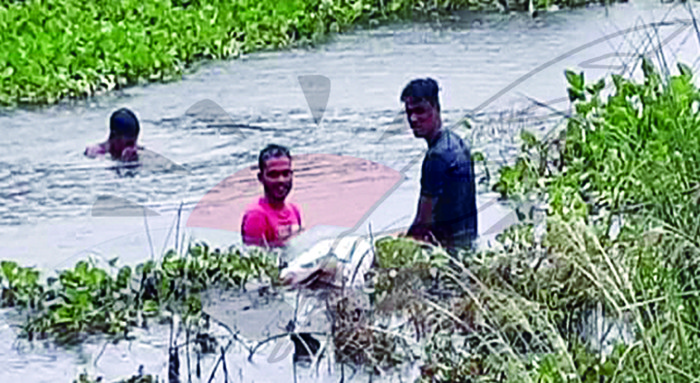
<point>631,156</point>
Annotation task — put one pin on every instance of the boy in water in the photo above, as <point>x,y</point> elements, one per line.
<point>123,134</point>
<point>270,222</point>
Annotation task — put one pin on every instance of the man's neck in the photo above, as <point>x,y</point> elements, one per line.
<point>275,204</point>
<point>434,137</point>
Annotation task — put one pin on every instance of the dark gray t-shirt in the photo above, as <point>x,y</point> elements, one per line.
<point>448,175</point>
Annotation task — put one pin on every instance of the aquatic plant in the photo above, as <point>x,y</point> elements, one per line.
<point>20,285</point>
<point>633,153</point>
<point>87,299</point>
<point>53,50</point>
<point>84,377</point>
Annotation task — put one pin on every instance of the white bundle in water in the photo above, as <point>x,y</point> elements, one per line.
<point>325,254</point>
<point>320,258</point>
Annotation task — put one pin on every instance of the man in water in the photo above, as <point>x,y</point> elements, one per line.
<point>123,134</point>
<point>447,205</point>
<point>270,222</point>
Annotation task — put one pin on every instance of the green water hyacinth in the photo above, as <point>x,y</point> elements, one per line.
<point>20,285</point>
<point>88,299</point>
<point>53,50</point>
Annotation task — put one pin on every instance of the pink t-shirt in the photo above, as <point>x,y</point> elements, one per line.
<point>264,226</point>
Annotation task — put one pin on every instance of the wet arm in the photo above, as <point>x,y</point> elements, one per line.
<point>420,228</point>
<point>93,151</point>
<point>254,229</point>
<point>130,154</point>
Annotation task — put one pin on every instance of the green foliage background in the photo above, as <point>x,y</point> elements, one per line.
<point>51,50</point>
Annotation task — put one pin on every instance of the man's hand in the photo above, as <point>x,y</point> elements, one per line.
<point>420,233</point>
<point>130,154</point>
<point>94,151</point>
<point>420,229</point>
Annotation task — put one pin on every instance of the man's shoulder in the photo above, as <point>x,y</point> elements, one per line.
<point>447,146</point>
<point>255,207</point>
<point>449,140</point>
<point>294,206</point>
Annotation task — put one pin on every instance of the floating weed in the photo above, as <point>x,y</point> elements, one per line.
<point>20,286</point>
<point>84,377</point>
<point>87,299</point>
<point>69,49</point>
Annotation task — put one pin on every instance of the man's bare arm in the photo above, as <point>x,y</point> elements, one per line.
<point>420,228</point>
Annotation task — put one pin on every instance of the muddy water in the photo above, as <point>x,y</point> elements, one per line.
<point>484,64</point>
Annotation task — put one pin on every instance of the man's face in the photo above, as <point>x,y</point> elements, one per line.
<point>277,178</point>
<point>423,117</point>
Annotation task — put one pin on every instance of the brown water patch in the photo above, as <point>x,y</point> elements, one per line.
<point>329,189</point>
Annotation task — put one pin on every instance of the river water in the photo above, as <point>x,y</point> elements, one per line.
<point>486,65</point>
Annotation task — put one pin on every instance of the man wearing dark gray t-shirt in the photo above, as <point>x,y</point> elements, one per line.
<point>447,205</point>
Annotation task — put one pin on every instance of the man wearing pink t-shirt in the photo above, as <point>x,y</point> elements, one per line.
<point>270,222</point>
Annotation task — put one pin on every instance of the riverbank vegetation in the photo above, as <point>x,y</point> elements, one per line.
<point>53,50</point>
<point>623,192</point>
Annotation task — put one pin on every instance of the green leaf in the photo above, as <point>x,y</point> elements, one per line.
<point>529,138</point>
<point>150,307</point>
<point>685,70</point>
<point>7,72</point>
<point>9,269</point>
<point>574,80</point>
<point>123,276</point>
<point>594,89</point>
<point>575,95</point>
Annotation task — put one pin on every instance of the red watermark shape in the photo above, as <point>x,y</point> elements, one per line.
<point>330,190</point>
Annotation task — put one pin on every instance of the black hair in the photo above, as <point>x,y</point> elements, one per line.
<point>272,151</point>
<point>422,89</point>
<point>123,123</point>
